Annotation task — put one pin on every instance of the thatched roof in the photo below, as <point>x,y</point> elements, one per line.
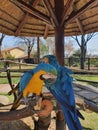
<point>38,17</point>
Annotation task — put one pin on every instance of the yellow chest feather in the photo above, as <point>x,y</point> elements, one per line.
<point>35,84</point>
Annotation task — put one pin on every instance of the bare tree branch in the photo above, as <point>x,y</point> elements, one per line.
<point>76,38</point>
<point>1,39</point>
<point>89,36</point>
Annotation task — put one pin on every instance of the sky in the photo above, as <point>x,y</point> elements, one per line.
<point>92,45</point>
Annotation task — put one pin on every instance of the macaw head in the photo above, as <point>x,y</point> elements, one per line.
<point>51,72</point>
<point>51,59</point>
<point>48,68</point>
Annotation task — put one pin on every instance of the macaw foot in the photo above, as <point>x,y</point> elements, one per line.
<point>38,106</point>
<point>25,101</point>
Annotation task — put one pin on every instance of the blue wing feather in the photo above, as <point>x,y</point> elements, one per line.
<point>63,91</point>
<point>24,81</point>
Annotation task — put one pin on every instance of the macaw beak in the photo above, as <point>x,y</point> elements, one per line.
<point>49,76</point>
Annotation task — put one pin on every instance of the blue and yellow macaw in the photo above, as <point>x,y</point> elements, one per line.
<point>62,90</point>
<point>32,81</point>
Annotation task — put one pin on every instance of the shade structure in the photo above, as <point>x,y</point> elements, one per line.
<point>46,18</point>
<point>40,17</point>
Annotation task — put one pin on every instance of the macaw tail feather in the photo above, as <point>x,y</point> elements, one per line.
<point>71,120</point>
<point>80,115</point>
<point>16,103</point>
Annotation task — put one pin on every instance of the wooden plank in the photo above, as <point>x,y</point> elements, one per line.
<point>87,94</point>
<point>86,87</point>
<point>84,104</point>
<point>76,89</point>
<point>95,100</point>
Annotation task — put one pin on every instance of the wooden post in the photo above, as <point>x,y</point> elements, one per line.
<point>38,50</point>
<point>59,46</point>
<point>88,63</point>
<point>59,32</point>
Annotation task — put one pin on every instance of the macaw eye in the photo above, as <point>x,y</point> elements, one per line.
<point>46,60</point>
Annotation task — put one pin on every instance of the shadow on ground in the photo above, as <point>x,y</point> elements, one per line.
<point>85,128</point>
<point>13,125</point>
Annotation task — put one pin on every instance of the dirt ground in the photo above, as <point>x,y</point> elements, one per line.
<point>23,124</point>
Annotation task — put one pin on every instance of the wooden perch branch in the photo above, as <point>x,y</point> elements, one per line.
<point>45,111</point>
<point>18,114</point>
<point>29,111</point>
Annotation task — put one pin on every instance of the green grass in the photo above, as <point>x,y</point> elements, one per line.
<point>90,78</point>
<point>5,81</point>
<point>87,77</point>
<point>14,80</point>
<point>91,120</point>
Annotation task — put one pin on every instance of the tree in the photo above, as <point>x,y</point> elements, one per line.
<point>68,47</point>
<point>82,42</point>
<point>50,41</point>
<point>44,49</point>
<point>29,42</point>
<point>1,40</point>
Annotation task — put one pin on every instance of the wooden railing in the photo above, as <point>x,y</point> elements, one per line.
<point>89,64</point>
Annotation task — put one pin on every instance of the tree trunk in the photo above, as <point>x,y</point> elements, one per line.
<point>82,58</point>
<point>83,52</point>
<point>29,51</point>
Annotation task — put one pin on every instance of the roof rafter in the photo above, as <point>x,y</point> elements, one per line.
<point>49,8</point>
<point>80,25</point>
<point>21,24</point>
<point>25,18</point>
<point>33,11</point>
<point>35,2</point>
<point>66,10</point>
<point>76,14</point>
<point>46,31</point>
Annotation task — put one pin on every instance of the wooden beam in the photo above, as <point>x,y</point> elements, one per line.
<point>32,10</point>
<point>80,25</point>
<point>25,18</point>
<point>46,31</point>
<point>35,2</point>
<point>49,8</point>
<point>20,26</point>
<point>67,9</point>
<point>77,14</point>
<point>59,32</point>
